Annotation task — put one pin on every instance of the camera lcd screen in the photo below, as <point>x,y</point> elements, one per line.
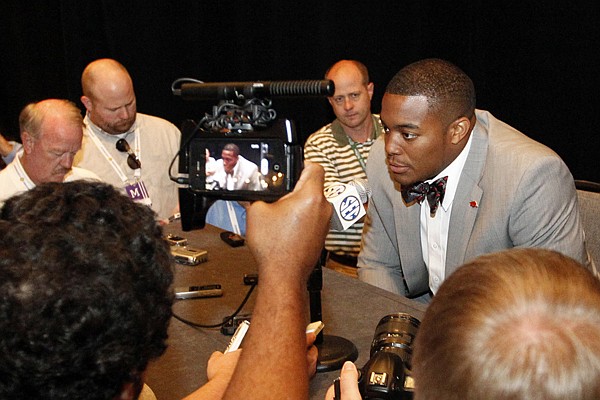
<point>244,165</point>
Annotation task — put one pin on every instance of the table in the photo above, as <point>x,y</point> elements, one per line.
<point>351,309</point>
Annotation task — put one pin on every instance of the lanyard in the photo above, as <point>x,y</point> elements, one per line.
<point>233,218</point>
<point>360,158</point>
<point>137,150</point>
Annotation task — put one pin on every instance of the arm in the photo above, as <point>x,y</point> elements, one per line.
<point>8,149</point>
<point>315,154</point>
<point>219,371</point>
<point>379,258</point>
<point>545,212</point>
<point>221,366</point>
<point>286,238</point>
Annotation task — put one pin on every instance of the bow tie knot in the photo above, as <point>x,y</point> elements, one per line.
<point>433,191</point>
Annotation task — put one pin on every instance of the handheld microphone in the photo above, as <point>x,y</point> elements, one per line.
<point>348,201</point>
<point>246,90</point>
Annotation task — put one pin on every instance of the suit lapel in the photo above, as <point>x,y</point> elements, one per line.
<point>465,206</point>
<point>407,221</point>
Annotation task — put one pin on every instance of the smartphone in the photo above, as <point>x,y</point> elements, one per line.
<point>238,336</point>
<point>193,292</point>
<point>315,327</point>
<point>232,239</point>
<point>188,256</point>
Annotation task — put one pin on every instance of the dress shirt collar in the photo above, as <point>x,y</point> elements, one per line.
<point>453,172</point>
<point>342,139</point>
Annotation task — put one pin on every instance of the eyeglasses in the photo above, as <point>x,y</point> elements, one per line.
<point>132,160</point>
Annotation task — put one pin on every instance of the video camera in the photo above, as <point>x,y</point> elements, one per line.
<point>387,374</point>
<point>241,151</point>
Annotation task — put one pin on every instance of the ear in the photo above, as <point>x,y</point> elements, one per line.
<point>370,89</point>
<point>459,129</point>
<point>86,102</point>
<point>28,142</point>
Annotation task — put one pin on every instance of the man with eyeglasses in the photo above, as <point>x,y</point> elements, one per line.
<point>127,149</point>
<point>342,148</point>
<point>51,132</point>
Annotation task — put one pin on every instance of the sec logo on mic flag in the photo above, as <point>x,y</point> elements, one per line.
<point>350,208</point>
<point>347,206</point>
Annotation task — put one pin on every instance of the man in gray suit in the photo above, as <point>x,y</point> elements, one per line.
<point>490,186</point>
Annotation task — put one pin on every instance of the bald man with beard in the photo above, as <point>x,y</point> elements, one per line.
<point>111,118</point>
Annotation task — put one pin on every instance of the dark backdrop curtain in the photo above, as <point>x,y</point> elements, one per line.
<point>534,63</point>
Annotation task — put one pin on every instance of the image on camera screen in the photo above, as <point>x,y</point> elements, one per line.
<point>241,164</point>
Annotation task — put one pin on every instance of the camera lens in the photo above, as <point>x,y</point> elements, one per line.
<point>395,333</point>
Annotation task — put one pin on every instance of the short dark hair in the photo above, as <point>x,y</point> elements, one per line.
<point>233,148</point>
<point>448,89</point>
<point>85,292</point>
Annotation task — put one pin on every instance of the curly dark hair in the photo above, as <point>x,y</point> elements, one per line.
<point>85,292</point>
<point>448,89</point>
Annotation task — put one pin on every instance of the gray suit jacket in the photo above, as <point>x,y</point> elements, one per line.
<point>513,192</point>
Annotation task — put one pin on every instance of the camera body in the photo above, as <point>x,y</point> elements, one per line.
<point>243,118</point>
<point>273,151</point>
<point>387,374</point>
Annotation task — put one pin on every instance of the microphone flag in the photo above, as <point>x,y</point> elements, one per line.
<point>347,205</point>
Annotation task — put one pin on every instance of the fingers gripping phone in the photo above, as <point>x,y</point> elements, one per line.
<point>243,327</point>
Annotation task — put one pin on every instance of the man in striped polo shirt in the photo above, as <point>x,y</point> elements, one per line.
<point>342,148</point>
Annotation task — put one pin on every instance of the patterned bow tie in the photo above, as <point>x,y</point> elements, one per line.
<point>433,191</point>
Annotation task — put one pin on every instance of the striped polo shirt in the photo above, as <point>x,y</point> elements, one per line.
<point>332,148</point>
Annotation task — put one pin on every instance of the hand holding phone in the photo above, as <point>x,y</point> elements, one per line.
<point>243,327</point>
<point>315,327</point>
<point>238,336</point>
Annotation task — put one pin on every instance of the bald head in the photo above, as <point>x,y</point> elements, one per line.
<point>102,76</point>
<point>348,67</point>
<point>108,95</point>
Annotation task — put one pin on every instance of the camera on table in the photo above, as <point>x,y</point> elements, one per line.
<point>387,374</point>
<point>244,123</point>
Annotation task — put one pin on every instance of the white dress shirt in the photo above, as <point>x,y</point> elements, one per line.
<point>434,230</point>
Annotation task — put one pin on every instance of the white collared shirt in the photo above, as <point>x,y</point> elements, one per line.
<point>434,230</point>
<point>158,143</point>
<point>14,179</point>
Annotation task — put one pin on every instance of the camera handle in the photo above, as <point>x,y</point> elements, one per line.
<point>333,350</point>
